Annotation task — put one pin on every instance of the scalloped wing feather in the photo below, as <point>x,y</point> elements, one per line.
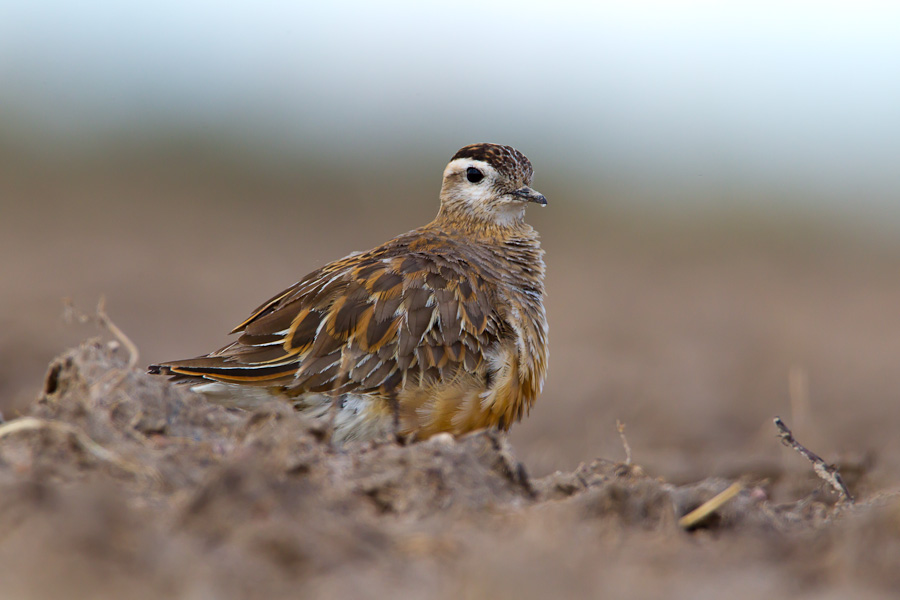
<point>368,323</point>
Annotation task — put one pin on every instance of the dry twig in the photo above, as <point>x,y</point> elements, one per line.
<point>71,313</point>
<point>827,472</point>
<point>620,427</point>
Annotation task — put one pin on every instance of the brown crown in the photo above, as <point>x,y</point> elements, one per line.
<point>506,159</point>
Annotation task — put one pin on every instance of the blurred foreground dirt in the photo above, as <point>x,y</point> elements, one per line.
<point>117,484</point>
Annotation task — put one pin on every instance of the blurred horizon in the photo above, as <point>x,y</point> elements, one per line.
<point>761,105</point>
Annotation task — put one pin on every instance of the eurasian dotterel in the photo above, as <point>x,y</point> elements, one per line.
<point>442,329</point>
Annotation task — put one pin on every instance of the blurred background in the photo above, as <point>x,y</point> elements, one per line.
<point>723,183</point>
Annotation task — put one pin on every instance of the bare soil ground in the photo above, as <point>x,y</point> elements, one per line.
<point>694,332</point>
<point>117,484</point>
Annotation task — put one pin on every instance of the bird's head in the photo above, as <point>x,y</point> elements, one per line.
<point>488,183</point>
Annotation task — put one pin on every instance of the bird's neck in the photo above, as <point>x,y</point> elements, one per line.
<point>483,223</point>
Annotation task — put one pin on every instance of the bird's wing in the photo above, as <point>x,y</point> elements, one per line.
<point>366,323</point>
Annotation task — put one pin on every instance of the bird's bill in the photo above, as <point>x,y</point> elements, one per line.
<point>529,195</point>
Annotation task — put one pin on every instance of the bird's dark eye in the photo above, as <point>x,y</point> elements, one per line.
<point>474,175</point>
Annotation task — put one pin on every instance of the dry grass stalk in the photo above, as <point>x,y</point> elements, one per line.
<point>620,427</point>
<point>710,506</point>
<point>83,440</point>
<point>71,314</point>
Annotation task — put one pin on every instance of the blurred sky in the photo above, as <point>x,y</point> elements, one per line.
<point>719,101</point>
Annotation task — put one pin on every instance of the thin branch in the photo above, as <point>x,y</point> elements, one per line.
<point>620,427</point>
<point>115,377</point>
<point>105,321</point>
<point>71,313</point>
<point>827,472</point>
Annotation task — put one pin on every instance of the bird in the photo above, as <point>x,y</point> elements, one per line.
<point>439,330</point>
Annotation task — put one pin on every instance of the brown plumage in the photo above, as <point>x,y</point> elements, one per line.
<point>442,328</point>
